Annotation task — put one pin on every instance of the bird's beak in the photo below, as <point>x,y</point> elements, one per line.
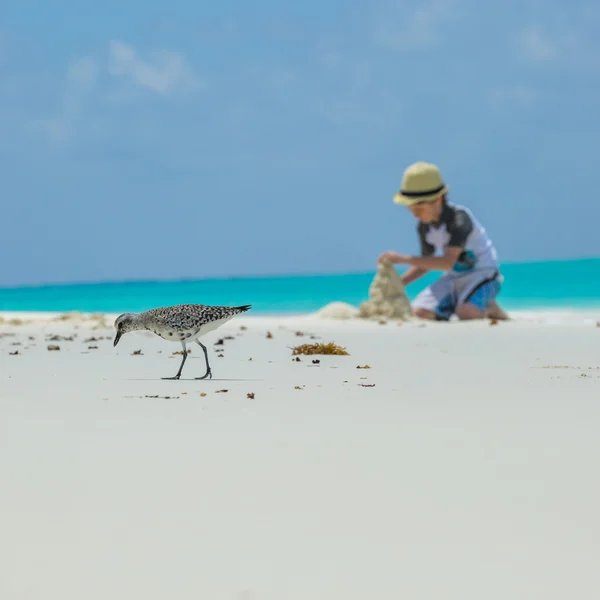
<point>117,338</point>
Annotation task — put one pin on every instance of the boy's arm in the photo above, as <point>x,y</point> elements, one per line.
<point>412,274</point>
<point>427,250</point>
<point>434,263</point>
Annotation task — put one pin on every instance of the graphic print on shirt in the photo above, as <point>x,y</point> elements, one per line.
<point>458,227</point>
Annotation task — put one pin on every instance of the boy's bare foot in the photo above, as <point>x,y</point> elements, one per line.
<point>495,312</point>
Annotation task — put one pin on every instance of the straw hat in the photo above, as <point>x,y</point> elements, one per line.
<point>421,182</point>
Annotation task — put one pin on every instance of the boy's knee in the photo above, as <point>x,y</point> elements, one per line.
<point>467,311</point>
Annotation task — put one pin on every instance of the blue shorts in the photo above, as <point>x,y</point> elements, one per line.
<point>443,296</point>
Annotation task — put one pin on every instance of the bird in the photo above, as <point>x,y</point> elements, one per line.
<point>181,323</point>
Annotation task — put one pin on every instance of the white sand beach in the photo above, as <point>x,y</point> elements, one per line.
<point>461,465</point>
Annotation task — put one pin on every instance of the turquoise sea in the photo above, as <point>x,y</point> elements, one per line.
<point>552,285</point>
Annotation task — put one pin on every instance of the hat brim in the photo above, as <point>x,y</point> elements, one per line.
<point>400,198</point>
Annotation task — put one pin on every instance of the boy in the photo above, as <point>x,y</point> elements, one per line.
<point>472,278</point>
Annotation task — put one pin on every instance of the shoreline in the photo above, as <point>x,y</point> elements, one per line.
<point>581,316</point>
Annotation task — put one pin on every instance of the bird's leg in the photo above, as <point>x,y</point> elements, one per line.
<point>208,371</point>
<point>182,363</point>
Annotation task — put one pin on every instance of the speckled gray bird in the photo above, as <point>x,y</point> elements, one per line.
<point>182,323</point>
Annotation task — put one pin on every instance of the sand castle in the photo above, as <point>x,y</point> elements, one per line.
<point>387,300</point>
<point>387,296</point>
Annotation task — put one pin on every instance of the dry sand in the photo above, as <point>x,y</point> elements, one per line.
<point>468,470</point>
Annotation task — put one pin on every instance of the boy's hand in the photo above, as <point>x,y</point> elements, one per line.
<point>394,258</point>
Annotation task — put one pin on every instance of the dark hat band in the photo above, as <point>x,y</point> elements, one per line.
<point>420,194</point>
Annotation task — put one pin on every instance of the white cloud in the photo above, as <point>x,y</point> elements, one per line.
<point>75,111</point>
<point>81,78</point>
<point>169,71</point>
<point>536,46</point>
<point>573,44</point>
<point>399,25</point>
<point>82,73</point>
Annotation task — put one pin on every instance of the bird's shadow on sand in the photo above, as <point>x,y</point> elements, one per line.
<point>188,380</point>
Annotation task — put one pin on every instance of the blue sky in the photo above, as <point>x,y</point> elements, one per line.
<point>185,139</point>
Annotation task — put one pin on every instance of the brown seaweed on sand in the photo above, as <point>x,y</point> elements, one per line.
<point>320,348</point>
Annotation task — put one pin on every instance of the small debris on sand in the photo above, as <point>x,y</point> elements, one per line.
<point>59,338</point>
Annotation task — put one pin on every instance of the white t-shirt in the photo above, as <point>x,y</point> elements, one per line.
<point>458,226</point>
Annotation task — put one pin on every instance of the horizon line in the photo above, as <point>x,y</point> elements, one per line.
<point>280,275</point>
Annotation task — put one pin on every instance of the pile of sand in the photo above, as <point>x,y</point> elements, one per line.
<point>338,310</point>
<point>387,299</point>
<point>387,296</point>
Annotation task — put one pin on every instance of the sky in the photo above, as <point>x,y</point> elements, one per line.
<point>166,140</point>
